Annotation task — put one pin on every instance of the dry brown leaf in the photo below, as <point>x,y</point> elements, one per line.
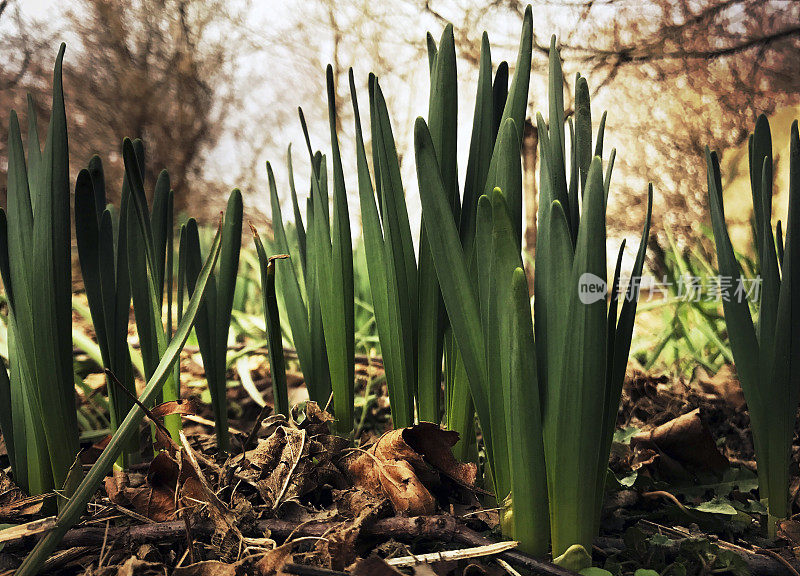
<point>184,407</point>
<point>351,503</point>
<point>154,502</point>
<point>273,561</point>
<point>207,568</point>
<point>339,544</point>
<point>789,530</point>
<point>14,503</point>
<point>386,468</point>
<point>135,567</point>
<point>292,462</point>
<point>156,498</point>
<point>399,462</point>
<point>317,419</point>
<point>724,384</point>
<point>679,448</point>
<point>435,445</point>
<point>373,566</point>
<point>275,460</point>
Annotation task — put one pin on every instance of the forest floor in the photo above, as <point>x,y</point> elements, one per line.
<point>681,495</point>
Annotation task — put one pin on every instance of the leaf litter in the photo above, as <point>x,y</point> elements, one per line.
<point>302,497</point>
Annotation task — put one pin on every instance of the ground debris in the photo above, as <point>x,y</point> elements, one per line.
<point>398,464</point>
<point>679,448</point>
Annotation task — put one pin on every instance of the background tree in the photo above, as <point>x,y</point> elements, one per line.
<point>675,75</point>
<point>22,43</point>
<point>213,85</point>
<point>161,70</point>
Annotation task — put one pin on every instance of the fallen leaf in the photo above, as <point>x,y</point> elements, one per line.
<point>388,467</point>
<point>154,502</point>
<point>184,407</point>
<point>789,530</point>
<point>399,460</point>
<point>272,563</point>
<point>14,503</point>
<point>373,566</point>
<point>291,463</point>
<point>339,544</point>
<point>207,568</point>
<point>724,384</point>
<point>435,445</point>
<point>135,567</point>
<point>277,458</point>
<point>351,503</point>
<point>681,447</point>
<point>316,419</point>
<point>156,498</point>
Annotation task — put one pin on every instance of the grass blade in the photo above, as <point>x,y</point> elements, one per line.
<point>273,322</point>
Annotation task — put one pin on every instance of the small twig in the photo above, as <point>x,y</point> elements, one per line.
<point>216,504</point>
<point>27,529</point>
<point>189,541</point>
<point>134,515</point>
<point>507,567</point>
<point>62,558</point>
<point>482,510</point>
<point>211,424</point>
<point>183,557</point>
<point>778,557</point>
<point>103,547</point>
<point>671,498</point>
<point>449,555</point>
<point>254,431</point>
<point>149,413</point>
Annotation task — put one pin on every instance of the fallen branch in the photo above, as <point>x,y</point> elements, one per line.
<point>441,528</point>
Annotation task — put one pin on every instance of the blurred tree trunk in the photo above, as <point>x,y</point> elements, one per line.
<point>530,145</point>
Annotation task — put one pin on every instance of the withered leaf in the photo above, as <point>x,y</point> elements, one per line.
<point>400,460</point>
<point>135,567</point>
<point>207,568</point>
<point>274,560</point>
<point>435,445</point>
<point>683,445</point>
<point>373,566</point>
<point>339,545</point>
<point>291,463</point>
<point>184,407</point>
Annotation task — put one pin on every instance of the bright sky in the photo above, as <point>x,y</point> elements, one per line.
<point>229,150</point>
<point>42,8</point>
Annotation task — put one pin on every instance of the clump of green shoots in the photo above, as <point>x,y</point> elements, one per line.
<point>300,291</point>
<point>150,256</point>
<point>214,320</point>
<point>37,394</point>
<point>391,265</point>
<point>765,352</point>
<point>323,319</point>
<point>272,320</point>
<point>547,436</point>
<point>582,344</point>
<point>70,514</point>
<point>102,238</point>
